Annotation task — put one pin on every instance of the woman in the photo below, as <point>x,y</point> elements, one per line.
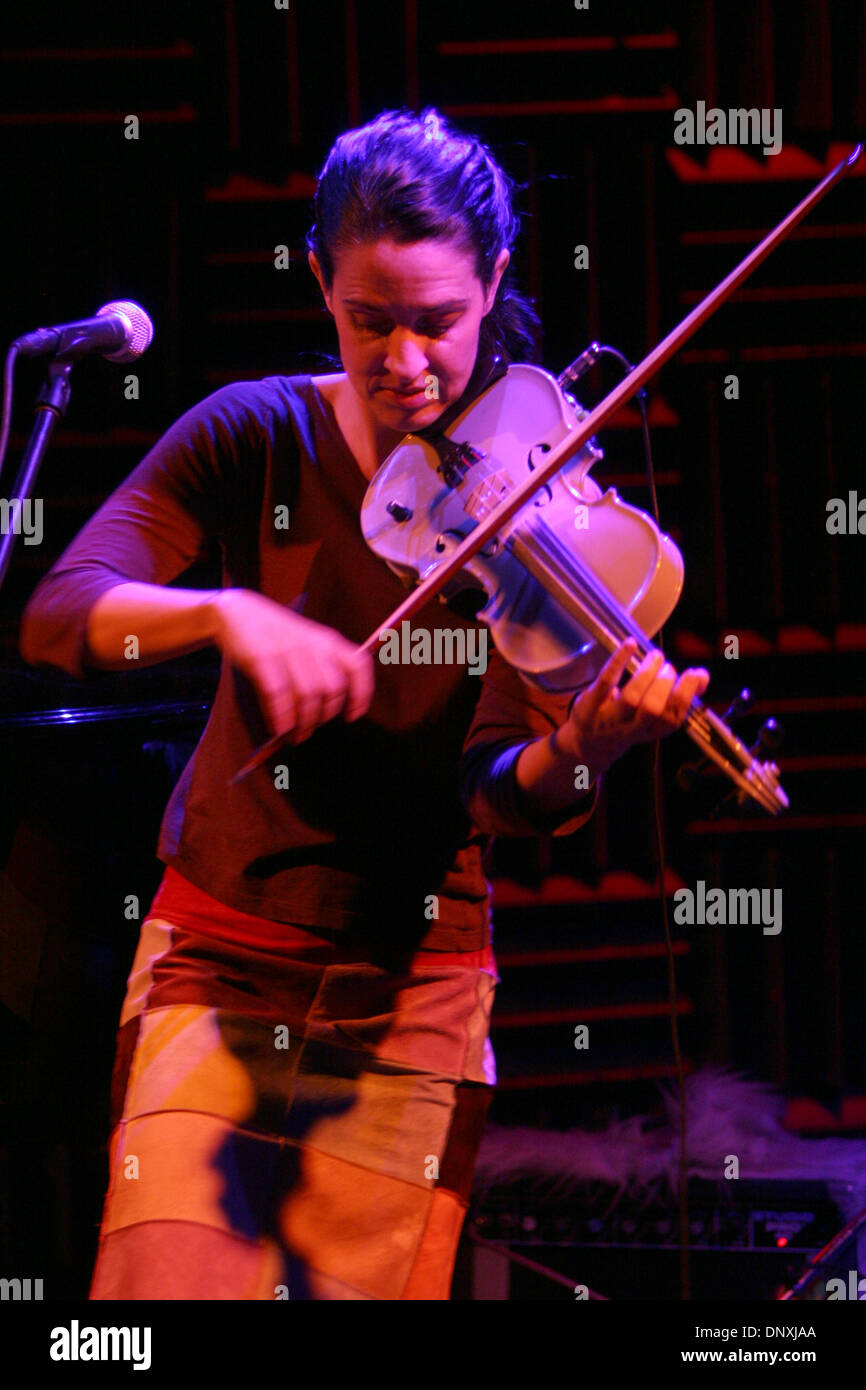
<point>303,1066</point>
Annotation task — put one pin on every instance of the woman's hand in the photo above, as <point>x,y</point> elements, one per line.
<point>605,721</point>
<point>305,673</point>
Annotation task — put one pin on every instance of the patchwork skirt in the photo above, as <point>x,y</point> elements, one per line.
<point>292,1123</point>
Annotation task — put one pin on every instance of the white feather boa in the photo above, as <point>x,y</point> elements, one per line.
<point>726,1113</point>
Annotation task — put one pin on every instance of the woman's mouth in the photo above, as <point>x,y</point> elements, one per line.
<point>416,396</point>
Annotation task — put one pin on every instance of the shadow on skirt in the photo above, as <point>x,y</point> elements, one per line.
<point>291,1126</point>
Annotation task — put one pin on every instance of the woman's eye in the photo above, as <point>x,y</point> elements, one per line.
<point>435,330</point>
<point>379,328</point>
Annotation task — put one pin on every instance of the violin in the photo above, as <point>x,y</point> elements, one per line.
<point>501,499</point>
<point>566,579</point>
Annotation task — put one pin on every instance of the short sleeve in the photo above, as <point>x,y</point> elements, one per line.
<point>159,522</point>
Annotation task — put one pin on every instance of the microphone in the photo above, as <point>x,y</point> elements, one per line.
<point>121,331</point>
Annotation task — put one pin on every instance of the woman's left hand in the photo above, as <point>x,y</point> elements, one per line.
<point>605,721</point>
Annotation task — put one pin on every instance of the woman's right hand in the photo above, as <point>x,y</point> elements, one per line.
<point>305,673</point>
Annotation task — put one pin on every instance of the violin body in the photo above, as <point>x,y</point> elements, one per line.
<point>419,507</point>
<point>568,574</point>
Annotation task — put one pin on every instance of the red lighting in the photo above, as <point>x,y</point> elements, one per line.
<point>781,1242</point>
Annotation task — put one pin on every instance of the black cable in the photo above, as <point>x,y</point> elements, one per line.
<point>683,1194</point>
<point>6,418</point>
<point>507,1254</point>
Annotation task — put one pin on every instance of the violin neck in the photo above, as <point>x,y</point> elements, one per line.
<point>721,745</point>
<point>582,594</point>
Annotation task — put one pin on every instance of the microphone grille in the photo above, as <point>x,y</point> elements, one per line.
<point>141,329</point>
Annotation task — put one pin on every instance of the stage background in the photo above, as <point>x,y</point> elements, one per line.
<point>238,104</point>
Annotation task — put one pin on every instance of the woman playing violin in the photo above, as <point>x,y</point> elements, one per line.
<point>303,1065</point>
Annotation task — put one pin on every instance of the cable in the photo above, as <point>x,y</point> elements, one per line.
<point>6,423</point>
<point>683,1190</point>
<point>506,1254</point>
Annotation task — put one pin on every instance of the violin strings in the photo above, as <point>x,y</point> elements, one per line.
<point>599,604</point>
<point>594,595</point>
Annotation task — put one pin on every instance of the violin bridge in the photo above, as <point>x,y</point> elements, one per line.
<point>486,492</point>
<point>486,495</point>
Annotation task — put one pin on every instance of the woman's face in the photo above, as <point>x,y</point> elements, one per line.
<point>408,318</point>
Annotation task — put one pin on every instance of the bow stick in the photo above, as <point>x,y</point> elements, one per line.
<point>589,426</point>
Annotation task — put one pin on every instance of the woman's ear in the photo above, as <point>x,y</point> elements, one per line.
<point>315,267</point>
<point>498,271</point>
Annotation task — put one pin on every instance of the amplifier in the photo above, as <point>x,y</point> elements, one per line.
<point>749,1239</point>
<point>744,1214</point>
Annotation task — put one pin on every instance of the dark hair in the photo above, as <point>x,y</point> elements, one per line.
<point>410,177</point>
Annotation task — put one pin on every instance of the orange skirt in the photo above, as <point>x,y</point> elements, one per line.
<point>292,1124</point>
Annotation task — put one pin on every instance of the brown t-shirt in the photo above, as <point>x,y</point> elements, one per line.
<point>380,831</point>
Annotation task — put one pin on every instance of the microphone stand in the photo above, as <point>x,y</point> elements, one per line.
<point>51,405</point>
<point>820,1263</point>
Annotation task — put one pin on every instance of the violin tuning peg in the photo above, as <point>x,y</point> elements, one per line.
<point>740,705</point>
<point>770,735</point>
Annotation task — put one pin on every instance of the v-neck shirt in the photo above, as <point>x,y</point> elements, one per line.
<point>376,829</point>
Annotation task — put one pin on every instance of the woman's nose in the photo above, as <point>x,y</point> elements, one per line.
<point>406,358</point>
